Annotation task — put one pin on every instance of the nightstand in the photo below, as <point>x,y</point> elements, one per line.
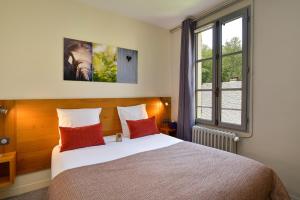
<point>7,168</point>
<point>167,130</point>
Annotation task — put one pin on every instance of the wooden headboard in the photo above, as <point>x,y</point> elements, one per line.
<point>32,125</point>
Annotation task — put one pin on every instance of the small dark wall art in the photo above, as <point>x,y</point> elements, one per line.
<point>87,61</point>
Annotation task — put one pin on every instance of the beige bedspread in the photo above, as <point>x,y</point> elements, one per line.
<point>181,171</point>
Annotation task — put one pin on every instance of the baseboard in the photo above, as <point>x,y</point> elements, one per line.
<point>26,183</point>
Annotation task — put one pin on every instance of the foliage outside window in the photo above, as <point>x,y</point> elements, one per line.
<point>222,72</point>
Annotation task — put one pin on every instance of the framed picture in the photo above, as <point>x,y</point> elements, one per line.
<point>87,61</point>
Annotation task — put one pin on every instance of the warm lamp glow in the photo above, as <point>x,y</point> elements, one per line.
<point>166,104</point>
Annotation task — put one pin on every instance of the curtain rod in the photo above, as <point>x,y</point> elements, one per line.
<point>209,12</point>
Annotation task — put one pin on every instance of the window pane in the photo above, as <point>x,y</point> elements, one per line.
<point>204,104</point>
<point>231,99</point>
<point>232,84</point>
<point>204,98</point>
<point>231,116</point>
<point>204,76</point>
<point>231,106</point>
<point>204,113</point>
<point>232,36</point>
<point>205,44</point>
<point>232,70</point>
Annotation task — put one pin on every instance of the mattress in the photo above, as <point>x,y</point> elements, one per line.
<point>62,161</point>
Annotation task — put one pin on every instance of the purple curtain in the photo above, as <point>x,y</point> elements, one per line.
<point>186,107</point>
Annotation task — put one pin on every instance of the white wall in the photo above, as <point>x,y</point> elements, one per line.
<point>276,96</point>
<point>31,50</point>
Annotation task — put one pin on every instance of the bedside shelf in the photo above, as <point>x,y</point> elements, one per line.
<point>7,168</point>
<point>167,130</point>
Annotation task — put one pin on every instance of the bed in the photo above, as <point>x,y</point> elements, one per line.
<point>159,167</point>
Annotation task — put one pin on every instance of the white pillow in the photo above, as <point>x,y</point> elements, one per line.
<point>78,117</point>
<point>131,113</point>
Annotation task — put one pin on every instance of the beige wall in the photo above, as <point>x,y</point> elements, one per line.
<point>175,65</point>
<point>31,50</point>
<point>276,95</point>
<point>275,81</point>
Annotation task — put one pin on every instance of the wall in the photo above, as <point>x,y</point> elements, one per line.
<point>175,63</point>
<point>31,50</point>
<point>276,108</point>
<point>275,77</point>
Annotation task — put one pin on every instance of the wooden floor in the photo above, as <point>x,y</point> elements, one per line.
<point>40,194</point>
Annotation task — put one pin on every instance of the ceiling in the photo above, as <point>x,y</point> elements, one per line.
<point>164,13</point>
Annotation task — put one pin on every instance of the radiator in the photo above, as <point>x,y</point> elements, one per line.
<point>223,140</point>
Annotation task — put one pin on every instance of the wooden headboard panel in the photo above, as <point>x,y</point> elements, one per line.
<point>32,125</point>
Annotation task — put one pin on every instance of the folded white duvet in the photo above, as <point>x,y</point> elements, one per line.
<point>112,150</point>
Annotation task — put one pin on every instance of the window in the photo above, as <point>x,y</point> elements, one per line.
<point>222,72</point>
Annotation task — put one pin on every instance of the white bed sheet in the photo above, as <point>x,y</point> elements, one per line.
<point>112,150</point>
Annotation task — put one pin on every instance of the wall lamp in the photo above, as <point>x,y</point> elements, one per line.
<point>3,110</point>
<point>165,101</point>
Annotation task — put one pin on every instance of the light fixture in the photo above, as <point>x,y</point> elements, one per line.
<point>3,110</point>
<point>165,101</point>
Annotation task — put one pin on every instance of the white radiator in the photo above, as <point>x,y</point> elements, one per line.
<point>223,140</point>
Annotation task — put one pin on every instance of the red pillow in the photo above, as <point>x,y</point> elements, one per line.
<point>74,138</point>
<point>142,127</point>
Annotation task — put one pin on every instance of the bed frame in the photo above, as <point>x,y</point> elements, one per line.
<point>32,125</point>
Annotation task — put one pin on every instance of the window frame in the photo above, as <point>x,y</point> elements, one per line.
<point>216,26</point>
<point>214,50</point>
